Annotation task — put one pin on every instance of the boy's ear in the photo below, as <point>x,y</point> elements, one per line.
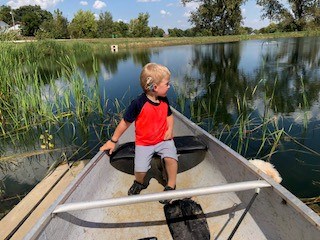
<point>154,87</point>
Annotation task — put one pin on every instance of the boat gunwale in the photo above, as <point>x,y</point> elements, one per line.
<point>48,214</point>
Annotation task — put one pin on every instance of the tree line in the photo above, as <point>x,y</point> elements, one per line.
<point>224,17</point>
<point>211,18</point>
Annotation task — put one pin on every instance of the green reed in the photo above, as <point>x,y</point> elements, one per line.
<point>30,102</point>
<point>304,104</point>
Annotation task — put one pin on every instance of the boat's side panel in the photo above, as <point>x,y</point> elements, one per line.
<point>279,214</point>
<point>47,218</point>
<point>90,189</point>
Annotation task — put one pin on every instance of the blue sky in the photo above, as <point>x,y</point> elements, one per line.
<point>163,13</point>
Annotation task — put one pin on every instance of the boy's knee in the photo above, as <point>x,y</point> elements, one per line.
<point>170,160</point>
<point>140,176</point>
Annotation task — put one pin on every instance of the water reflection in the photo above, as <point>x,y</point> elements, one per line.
<point>217,69</point>
<point>26,170</point>
<point>295,65</point>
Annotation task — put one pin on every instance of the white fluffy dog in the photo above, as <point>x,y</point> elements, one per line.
<point>267,168</point>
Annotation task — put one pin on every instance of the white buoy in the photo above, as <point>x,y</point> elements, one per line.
<point>114,48</point>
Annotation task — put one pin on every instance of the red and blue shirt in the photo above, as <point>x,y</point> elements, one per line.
<point>150,119</point>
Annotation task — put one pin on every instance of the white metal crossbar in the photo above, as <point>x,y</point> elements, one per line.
<point>184,193</point>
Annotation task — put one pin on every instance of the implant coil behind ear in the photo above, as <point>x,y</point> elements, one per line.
<point>149,84</point>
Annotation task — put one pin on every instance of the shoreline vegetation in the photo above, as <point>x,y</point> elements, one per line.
<point>171,41</point>
<point>127,43</point>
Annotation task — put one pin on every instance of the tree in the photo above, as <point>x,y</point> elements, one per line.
<point>31,17</point>
<point>190,32</point>
<point>316,14</point>
<point>43,14</point>
<point>31,22</point>
<point>176,32</point>
<point>54,28</point>
<point>60,25</point>
<point>5,14</point>
<point>105,25</point>
<point>221,17</point>
<point>246,30</point>
<point>121,29</point>
<point>83,25</point>
<point>271,28</point>
<point>294,14</point>
<point>139,27</point>
<point>157,32</point>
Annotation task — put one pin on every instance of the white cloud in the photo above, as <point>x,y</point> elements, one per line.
<point>187,14</point>
<point>99,4</point>
<point>192,5</point>
<point>122,20</point>
<point>44,4</point>
<point>163,12</point>
<point>84,3</point>
<point>148,0</point>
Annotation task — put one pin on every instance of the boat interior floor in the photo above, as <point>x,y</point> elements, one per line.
<point>148,220</point>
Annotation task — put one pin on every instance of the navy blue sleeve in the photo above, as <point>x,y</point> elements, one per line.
<point>165,99</point>
<point>131,112</point>
<point>134,109</point>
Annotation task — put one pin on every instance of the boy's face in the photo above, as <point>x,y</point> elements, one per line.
<point>162,88</point>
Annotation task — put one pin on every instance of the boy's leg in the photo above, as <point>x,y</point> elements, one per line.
<point>140,176</point>
<point>138,184</point>
<point>172,170</point>
<point>143,155</point>
<point>168,153</point>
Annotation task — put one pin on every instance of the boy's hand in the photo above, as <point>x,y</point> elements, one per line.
<point>108,146</point>
<point>168,135</point>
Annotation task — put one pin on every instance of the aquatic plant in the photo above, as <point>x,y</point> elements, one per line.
<point>46,140</point>
<point>30,103</point>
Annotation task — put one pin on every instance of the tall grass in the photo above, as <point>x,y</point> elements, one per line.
<point>30,102</point>
<point>129,43</point>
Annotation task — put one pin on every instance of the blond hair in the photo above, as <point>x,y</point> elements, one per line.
<point>151,74</point>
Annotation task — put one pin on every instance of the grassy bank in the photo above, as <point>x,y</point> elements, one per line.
<point>98,45</point>
<point>127,43</point>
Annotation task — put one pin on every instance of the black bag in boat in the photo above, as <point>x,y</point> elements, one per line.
<point>186,220</point>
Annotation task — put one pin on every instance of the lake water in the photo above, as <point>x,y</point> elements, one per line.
<point>276,80</point>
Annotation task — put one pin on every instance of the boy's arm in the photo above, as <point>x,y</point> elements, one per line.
<point>111,144</point>
<point>169,133</point>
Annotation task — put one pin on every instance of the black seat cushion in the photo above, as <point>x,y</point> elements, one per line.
<point>184,144</point>
<point>191,151</point>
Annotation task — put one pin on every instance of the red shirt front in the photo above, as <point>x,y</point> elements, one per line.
<point>150,119</point>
